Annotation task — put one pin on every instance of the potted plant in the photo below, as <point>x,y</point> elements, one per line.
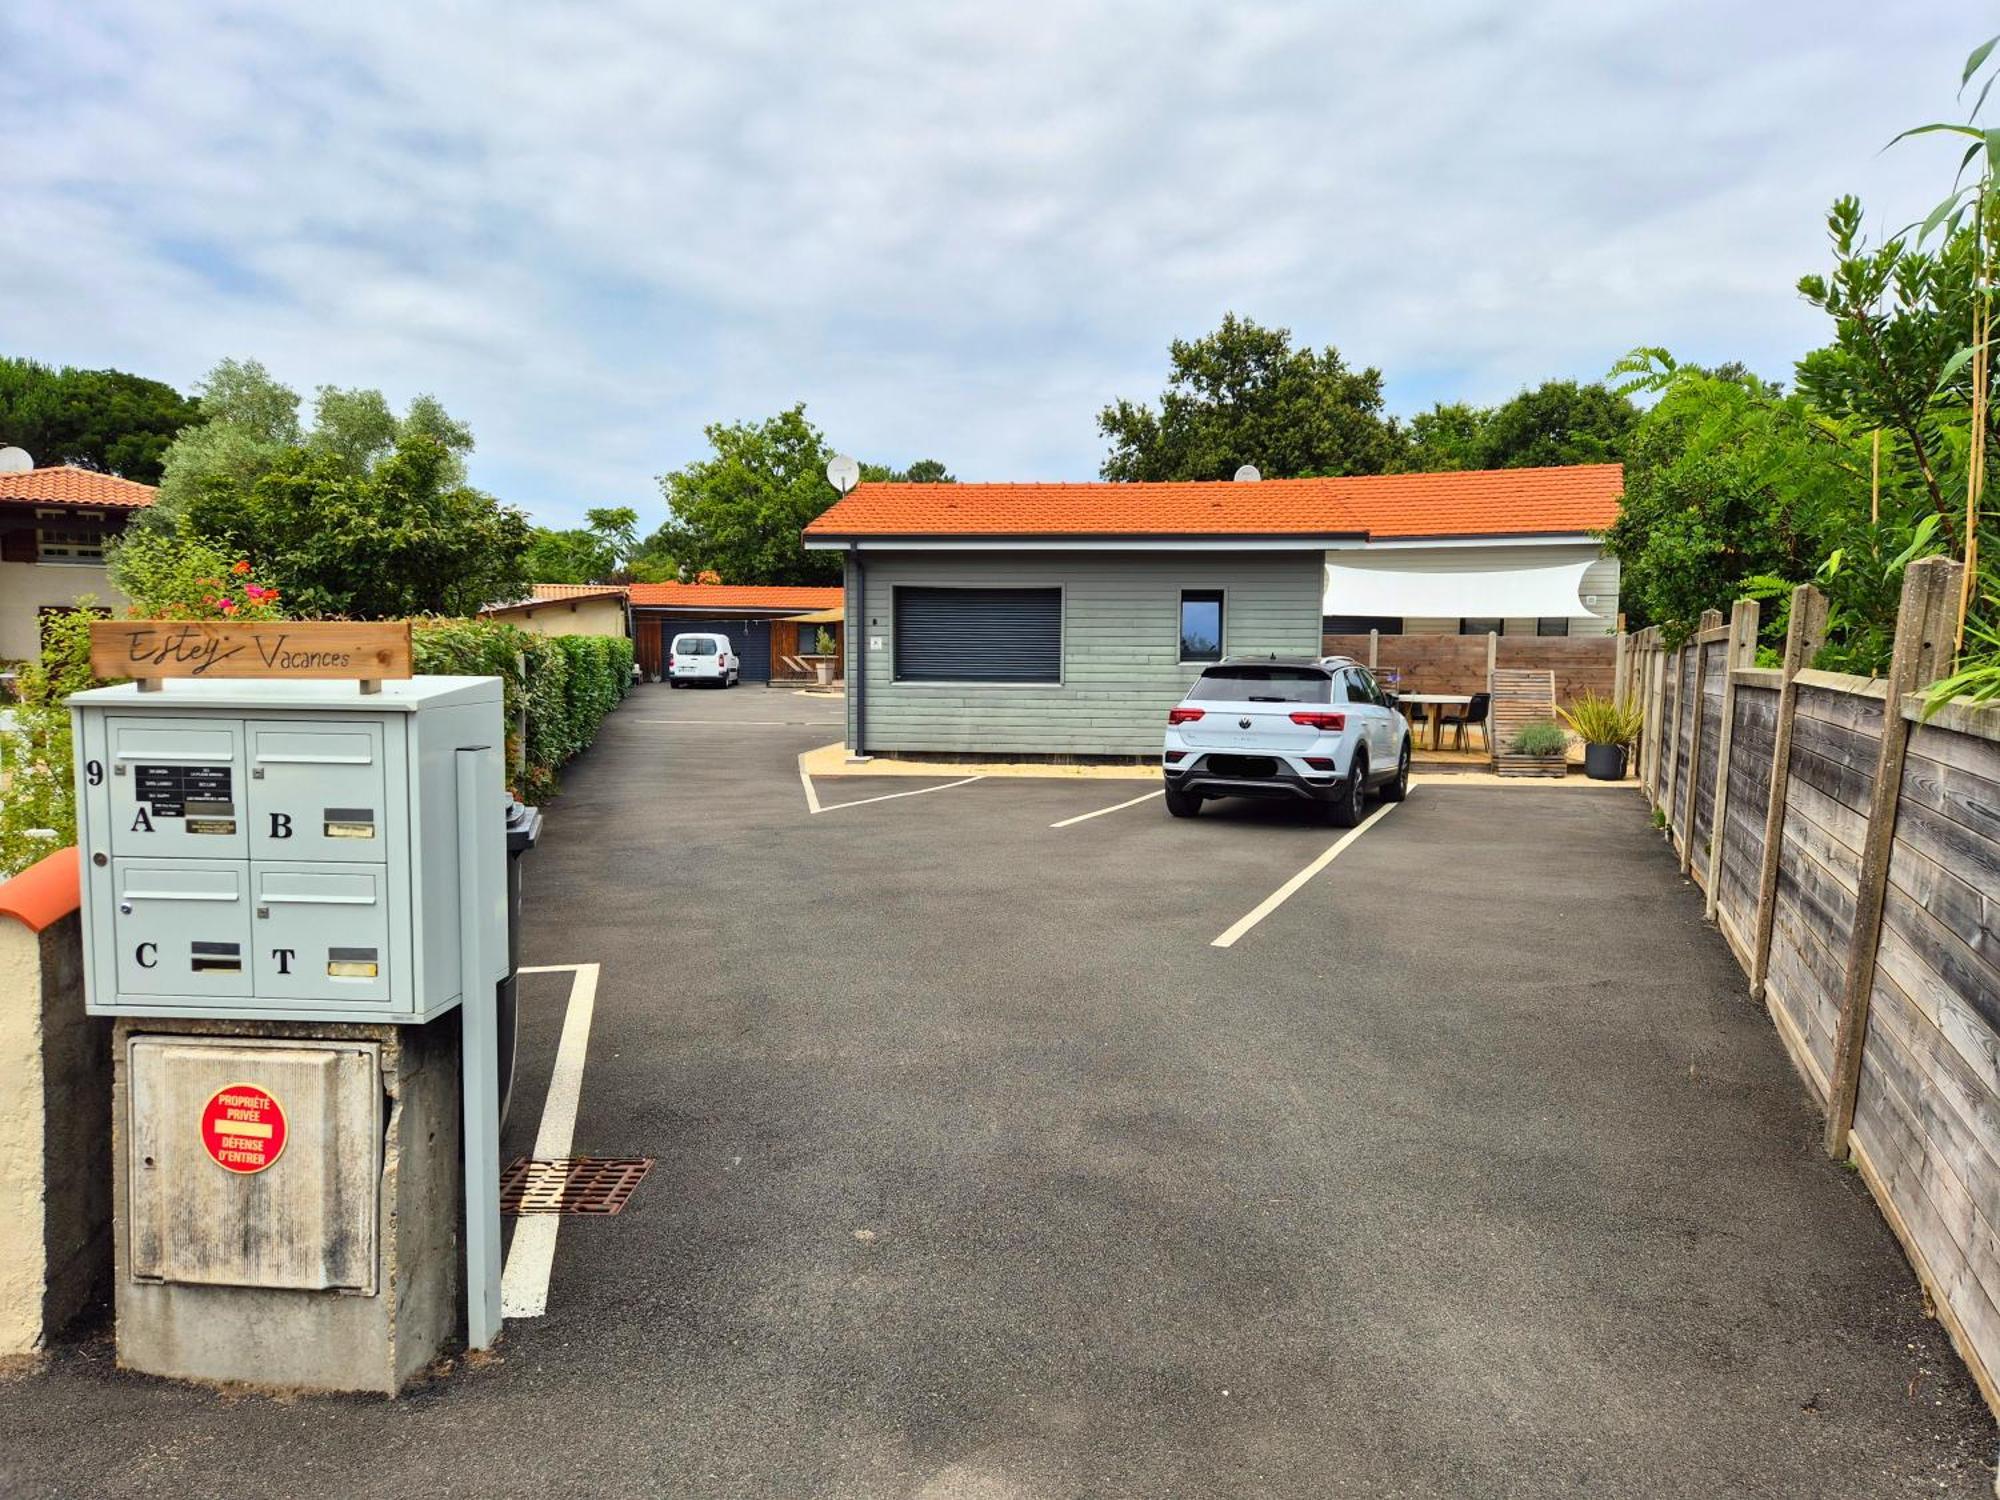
<point>1540,749</point>
<point>1607,728</point>
<point>828,655</point>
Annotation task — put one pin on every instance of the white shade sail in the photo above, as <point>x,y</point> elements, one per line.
<point>1389,585</point>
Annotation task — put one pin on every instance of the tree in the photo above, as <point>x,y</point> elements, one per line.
<point>600,551</point>
<point>1242,395</point>
<point>404,538</point>
<point>96,419</point>
<point>1558,422</point>
<point>1449,437</point>
<point>254,423</point>
<point>923,471</point>
<point>741,511</point>
<point>1725,483</point>
<point>1900,313</point>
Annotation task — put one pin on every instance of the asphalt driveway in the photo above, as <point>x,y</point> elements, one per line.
<point>1469,1170</point>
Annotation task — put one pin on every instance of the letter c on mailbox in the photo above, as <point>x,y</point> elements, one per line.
<point>148,955</point>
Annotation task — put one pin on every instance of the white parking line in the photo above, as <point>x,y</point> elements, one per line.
<point>524,1283</point>
<point>1086,817</point>
<point>814,806</point>
<point>735,723</point>
<point>1290,888</point>
<point>888,796</point>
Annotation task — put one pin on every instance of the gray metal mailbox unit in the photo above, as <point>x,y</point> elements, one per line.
<point>295,903</point>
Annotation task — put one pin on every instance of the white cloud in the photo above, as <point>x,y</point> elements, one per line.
<point>952,230</point>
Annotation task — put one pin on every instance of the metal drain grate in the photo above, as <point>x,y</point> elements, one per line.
<point>571,1184</point>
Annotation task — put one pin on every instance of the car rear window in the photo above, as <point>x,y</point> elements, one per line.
<point>1272,684</point>
<point>695,645</point>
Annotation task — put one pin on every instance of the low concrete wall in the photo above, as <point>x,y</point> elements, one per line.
<point>55,1113</point>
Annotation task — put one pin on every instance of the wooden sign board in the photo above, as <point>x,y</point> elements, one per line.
<point>363,650</point>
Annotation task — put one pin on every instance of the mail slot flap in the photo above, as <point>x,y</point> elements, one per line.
<point>301,888</point>
<point>188,882</point>
<point>176,747</point>
<point>313,747</point>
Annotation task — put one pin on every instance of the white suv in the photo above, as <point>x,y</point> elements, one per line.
<point>702,658</point>
<point>1316,731</point>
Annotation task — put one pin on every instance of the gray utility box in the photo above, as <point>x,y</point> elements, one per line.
<point>288,850</point>
<point>295,905</point>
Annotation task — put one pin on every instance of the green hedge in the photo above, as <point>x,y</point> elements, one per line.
<point>567,684</point>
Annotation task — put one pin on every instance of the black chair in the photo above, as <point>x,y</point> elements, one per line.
<point>1474,716</point>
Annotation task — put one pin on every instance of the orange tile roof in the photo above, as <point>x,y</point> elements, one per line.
<point>65,485</point>
<point>1492,502</point>
<point>776,596</point>
<point>45,892</point>
<point>576,590</point>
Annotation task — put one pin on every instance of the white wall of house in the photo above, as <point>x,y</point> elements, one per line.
<point>1600,580</point>
<point>28,588</point>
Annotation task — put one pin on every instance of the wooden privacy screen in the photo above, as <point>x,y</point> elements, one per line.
<point>1520,698</point>
<point>1854,869</point>
<point>317,649</point>
<point>1458,663</point>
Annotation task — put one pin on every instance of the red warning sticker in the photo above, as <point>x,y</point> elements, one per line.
<point>243,1127</point>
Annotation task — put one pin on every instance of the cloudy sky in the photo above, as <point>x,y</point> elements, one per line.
<point>953,230</point>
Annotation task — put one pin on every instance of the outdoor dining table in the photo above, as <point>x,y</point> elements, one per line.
<point>1436,702</point>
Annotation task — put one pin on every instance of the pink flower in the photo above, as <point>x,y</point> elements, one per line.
<point>256,592</point>
<point>229,606</point>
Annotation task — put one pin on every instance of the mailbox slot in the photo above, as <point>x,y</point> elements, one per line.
<point>322,933</point>
<point>176,788</point>
<point>182,927</point>
<point>317,792</point>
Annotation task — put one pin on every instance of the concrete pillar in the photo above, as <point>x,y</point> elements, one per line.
<point>200,1321</point>
<point>55,1113</point>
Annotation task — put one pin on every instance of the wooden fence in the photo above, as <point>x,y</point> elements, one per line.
<point>1849,851</point>
<point>1464,663</point>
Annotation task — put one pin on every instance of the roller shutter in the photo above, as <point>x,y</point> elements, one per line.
<point>978,635</point>
<point>750,639</point>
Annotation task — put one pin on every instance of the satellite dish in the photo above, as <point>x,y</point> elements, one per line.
<point>1248,474</point>
<point>842,472</point>
<point>15,461</point>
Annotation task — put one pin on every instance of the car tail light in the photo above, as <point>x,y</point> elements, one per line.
<point>1319,762</point>
<point>1315,719</point>
<point>670,658</point>
<point>1183,715</point>
<point>1173,755</point>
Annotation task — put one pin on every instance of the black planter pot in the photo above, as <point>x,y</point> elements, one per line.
<point>1604,762</point>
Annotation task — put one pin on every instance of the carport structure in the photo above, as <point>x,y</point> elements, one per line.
<point>756,618</point>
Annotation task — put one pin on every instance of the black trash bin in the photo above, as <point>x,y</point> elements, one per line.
<point>524,827</point>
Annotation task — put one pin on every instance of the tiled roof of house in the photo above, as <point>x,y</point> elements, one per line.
<point>1493,502</point>
<point>776,596</point>
<point>64,485</point>
<point>573,593</point>
<point>577,590</point>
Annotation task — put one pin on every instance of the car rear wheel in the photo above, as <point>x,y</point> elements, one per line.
<point>1344,811</point>
<point>1182,804</point>
<point>1398,786</point>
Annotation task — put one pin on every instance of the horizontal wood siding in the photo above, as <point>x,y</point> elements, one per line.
<point>1740,851</point>
<point>1928,1112</point>
<point>1715,657</point>
<point>1683,742</point>
<point>1925,1128</point>
<point>1834,740</point>
<point>1457,663</point>
<point>1121,644</point>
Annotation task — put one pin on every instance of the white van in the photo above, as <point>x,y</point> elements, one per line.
<point>702,657</point>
